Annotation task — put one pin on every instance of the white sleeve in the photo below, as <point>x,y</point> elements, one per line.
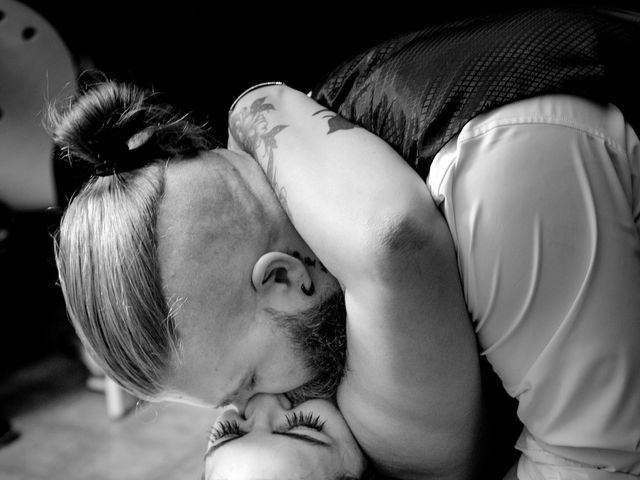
<point>541,197</point>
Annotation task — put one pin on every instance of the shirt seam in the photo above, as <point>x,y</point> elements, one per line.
<point>487,127</point>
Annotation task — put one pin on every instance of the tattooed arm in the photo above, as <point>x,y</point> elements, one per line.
<point>351,197</point>
<point>411,392</point>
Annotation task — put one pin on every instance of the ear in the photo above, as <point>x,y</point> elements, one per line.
<point>279,269</point>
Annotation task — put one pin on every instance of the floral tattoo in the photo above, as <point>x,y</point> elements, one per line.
<point>250,129</point>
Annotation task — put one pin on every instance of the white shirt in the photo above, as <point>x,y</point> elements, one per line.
<point>542,198</point>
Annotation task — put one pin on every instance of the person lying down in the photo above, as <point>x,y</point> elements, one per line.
<point>272,439</point>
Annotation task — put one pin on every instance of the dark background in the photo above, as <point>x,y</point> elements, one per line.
<point>203,54</point>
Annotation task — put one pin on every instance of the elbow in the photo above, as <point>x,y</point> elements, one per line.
<point>402,237</point>
<point>401,245</point>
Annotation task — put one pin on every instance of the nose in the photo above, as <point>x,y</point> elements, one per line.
<point>263,406</point>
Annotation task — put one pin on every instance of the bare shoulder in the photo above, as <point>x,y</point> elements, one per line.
<point>411,394</point>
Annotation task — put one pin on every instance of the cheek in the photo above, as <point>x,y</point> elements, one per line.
<point>209,368</point>
<point>280,367</point>
<point>336,427</point>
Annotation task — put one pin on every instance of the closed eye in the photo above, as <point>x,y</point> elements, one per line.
<point>308,420</point>
<point>224,429</point>
<point>227,431</point>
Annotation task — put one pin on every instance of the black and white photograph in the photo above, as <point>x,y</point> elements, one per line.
<point>353,241</point>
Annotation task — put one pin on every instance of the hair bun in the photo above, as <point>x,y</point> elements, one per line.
<point>114,127</point>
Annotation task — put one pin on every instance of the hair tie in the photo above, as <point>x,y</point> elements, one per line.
<point>127,157</point>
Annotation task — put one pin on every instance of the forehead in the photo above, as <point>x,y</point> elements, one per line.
<point>267,456</point>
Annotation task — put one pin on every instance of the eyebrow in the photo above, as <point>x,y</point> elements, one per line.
<point>296,436</point>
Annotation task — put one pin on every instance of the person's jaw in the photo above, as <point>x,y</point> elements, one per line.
<point>320,335</point>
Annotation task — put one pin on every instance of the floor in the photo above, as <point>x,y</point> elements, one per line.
<point>65,433</point>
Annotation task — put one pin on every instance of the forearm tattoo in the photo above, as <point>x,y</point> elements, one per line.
<point>250,129</point>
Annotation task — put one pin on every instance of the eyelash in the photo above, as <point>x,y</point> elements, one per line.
<point>224,429</point>
<point>308,420</point>
<point>295,419</point>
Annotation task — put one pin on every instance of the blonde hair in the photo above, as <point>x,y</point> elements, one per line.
<point>106,247</point>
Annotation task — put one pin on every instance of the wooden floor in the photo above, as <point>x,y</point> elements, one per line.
<point>65,433</point>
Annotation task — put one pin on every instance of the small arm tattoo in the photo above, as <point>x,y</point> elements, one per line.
<point>335,121</point>
<point>250,129</point>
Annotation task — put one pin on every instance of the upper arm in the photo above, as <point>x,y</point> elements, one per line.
<point>372,222</point>
<point>345,190</point>
<point>411,394</point>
